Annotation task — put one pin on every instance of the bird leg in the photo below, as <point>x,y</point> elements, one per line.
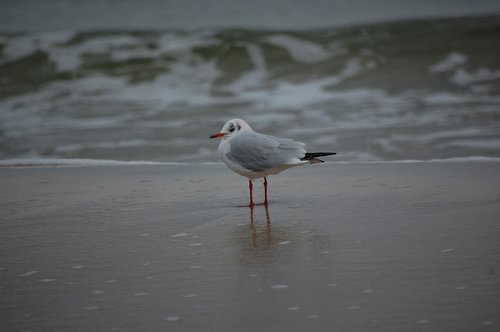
<point>265,190</point>
<point>250,186</point>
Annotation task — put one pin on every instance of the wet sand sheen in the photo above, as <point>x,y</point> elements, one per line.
<point>347,247</point>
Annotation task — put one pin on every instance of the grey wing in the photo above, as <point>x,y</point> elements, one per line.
<point>258,152</point>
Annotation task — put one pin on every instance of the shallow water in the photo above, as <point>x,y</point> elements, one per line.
<point>414,89</point>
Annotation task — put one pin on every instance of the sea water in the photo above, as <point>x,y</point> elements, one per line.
<point>401,89</point>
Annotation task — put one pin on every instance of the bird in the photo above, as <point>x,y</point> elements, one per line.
<point>255,155</point>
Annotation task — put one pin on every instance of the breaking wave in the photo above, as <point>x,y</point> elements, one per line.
<point>418,89</point>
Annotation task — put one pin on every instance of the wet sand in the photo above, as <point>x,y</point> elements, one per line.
<point>341,247</point>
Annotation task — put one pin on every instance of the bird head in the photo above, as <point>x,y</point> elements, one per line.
<point>231,128</point>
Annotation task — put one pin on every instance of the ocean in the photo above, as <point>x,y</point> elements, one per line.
<point>374,90</point>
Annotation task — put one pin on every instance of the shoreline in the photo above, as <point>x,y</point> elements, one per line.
<point>82,162</point>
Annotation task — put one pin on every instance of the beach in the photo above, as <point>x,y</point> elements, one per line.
<point>116,213</point>
<point>389,246</point>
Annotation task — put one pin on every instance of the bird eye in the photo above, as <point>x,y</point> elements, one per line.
<point>231,129</point>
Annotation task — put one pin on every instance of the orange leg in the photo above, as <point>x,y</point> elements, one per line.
<point>250,186</point>
<point>265,190</point>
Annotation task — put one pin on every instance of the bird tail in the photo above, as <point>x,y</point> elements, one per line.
<point>312,157</point>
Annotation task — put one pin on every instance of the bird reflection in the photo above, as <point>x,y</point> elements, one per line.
<point>253,228</point>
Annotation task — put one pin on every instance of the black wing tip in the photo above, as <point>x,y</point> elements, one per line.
<point>314,155</point>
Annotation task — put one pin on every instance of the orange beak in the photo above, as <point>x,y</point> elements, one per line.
<point>217,135</point>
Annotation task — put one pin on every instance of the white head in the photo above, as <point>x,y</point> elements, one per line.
<point>231,128</point>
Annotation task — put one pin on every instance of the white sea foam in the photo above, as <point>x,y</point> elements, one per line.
<point>441,98</point>
<point>91,308</point>
<point>188,83</point>
<point>478,144</point>
<point>95,162</point>
<point>71,57</point>
<point>119,47</point>
<point>77,162</point>
<point>487,322</point>
<point>297,95</point>
<point>443,134</point>
<point>435,160</point>
<point>457,160</point>
<point>303,51</point>
<point>460,76</point>
<point>65,148</point>
<point>453,60</point>
<point>180,235</point>
<point>463,77</point>
<point>172,42</point>
<point>172,318</point>
<point>279,287</point>
<point>23,45</point>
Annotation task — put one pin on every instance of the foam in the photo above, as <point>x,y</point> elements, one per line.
<point>463,77</point>
<point>452,99</point>
<point>100,162</point>
<point>65,148</point>
<point>23,45</point>
<point>172,42</point>
<point>300,50</point>
<point>453,64</point>
<point>443,134</point>
<point>480,144</point>
<point>77,163</point>
<point>254,78</point>
<point>453,60</point>
<point>443,160</point>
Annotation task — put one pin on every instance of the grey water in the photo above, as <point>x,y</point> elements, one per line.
<point>116,80</point>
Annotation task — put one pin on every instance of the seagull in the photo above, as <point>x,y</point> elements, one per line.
<point>255,155</point>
